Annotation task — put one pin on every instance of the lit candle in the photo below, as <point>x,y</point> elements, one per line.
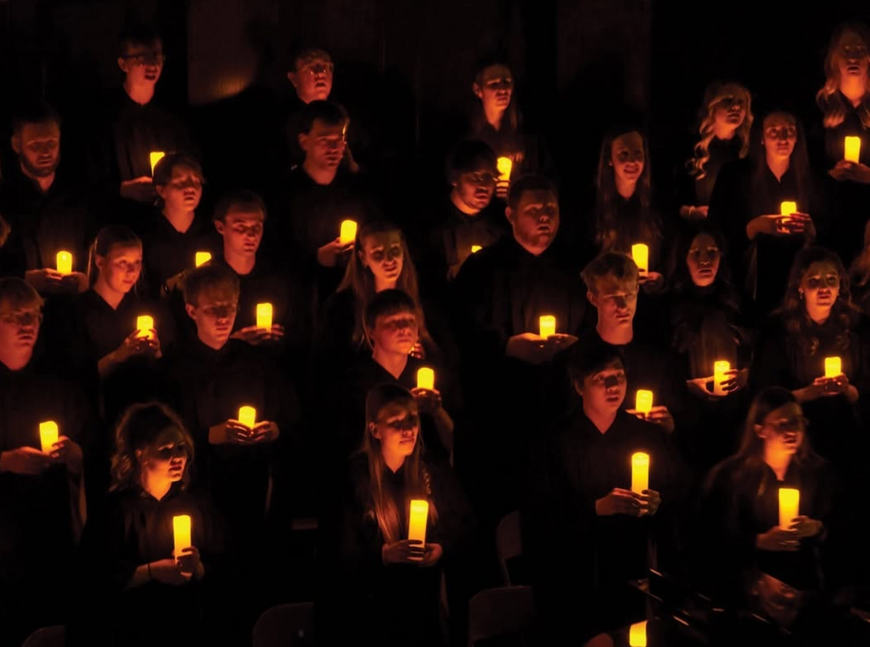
<point>640,254</point>
<point>637,634</point>
<point>144,325</point>
<point>505,166</point>
<point>833,367</point>
<point>852,149</point>
<point>787,208</point>
<point>248,416</point>
<point>719,369</point>
<point>348,231</point>
<point>181,533</point>
<point>475,249</point>
<point>155,157</point>
<point>264,316</point>
<point>201,258</point>
<point>548,326</point>
<point>789,504</point>
<point>417,521</point>
<point>64,262</point>
<point>48,435</point>
<point>426,378</point>
<point>639,472</point>
<point>643,401</point>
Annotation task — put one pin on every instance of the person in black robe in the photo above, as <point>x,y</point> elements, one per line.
<point>139,573</point>
<point>41,488</point>
<point>580,497</point>
<point>376,583</point>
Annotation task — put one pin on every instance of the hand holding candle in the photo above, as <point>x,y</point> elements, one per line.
<point>720,370</point>
<point>547,326</point>
<point>347,234</point>
<point>643,401</point>
<point>144,326</point>
<point>248,416</point>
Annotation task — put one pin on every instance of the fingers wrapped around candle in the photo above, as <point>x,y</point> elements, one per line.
<point>650,501</point>
<point>188,561</point>
<point>264,431</point>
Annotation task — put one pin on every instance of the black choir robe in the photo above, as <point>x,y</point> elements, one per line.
<point>693,191</point>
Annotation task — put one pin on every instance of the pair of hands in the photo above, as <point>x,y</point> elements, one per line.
<point>234,432</point>
<point>31,461</point>
<point>178,570</point>
<point>138,344</point>
<point>736,379</point>
<point>411,551</point>
<point>620,501</point>
<point>850,171</point>
<point>256,336</point>
<point>788,540</point>
<point>796,224</point>
<point>534,349</point>
<point>659,415</point>
<point>428,400</point>
<point>49,281</point>
<point>825,387</point>
<point>140,189</point>
<point>330,254</point>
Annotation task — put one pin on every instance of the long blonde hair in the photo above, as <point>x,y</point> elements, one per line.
<point>715,92</point>
<point>828,98</point>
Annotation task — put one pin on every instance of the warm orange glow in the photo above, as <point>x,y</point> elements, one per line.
<point>643,401</point>
<point>789,504</point>
<point>48,435</point>
<point>505,166</point>
<point>640,254</point>
<point>417,520</point>
<point>145,324</point>
<point>639,472</point>
<point>475,249</point>
<point>787,208</point>
<point>548,326</point>
<point>852,149</point>
<point>202,258</point>
<point>64,262</point>
<point>637,634</point>
<point>264,316</point>
<point>181,533</point>
<point>155,157</point>
<point>426,378</point>
<point>348,231</point>
<point>719,369</point>
<point>833,367</point>
<point>248,416</point>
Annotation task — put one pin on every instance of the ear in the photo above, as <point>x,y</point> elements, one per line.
<point>139,453</point>
<point>15,140</point>
<point>362,257</point>
<point>590,296</point>
<point>759,431</point>
<point>509,214</point>
<point>99,261</point>
<point>578,387</point>
<point>123,64</point>
<point>161,191</point>
<point>291,76</point>
<point>190,310</point>
<point>373,429</point>
<point>220,227</point>
<point>303,141</point>
<point>478,91</point>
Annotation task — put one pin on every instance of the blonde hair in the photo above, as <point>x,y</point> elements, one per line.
<point>828,98</point>
<point>714,94</point>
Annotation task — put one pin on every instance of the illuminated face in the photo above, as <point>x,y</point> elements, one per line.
<point>397,427</point>
<point>852,57</point>
<point>820,285</point>
<point>616,302</point>
<point>19,326</point>
<point>779,135</point>
<point>703,260</point>
<point>396,333</point>
<point>183,191</point>
<point>535,221</point>
<point>38,148</point>
<point>214,315</point>
<point>476,188</point>
<point>143,63</point>
<point>730,110</point>
<point>312,78</point>
<point>121,267</point>
<point>324,145</point>
<point>382,253</point>
<point>495,88</point>
<point>783,429</point>
<point>167,458</point>
<point>242,231</point>
<point>604,391</point>
<point>627,157</point>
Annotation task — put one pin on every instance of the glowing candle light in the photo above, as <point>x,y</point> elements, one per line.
<point>48,435</point>
<point>787,208</point>
<point>548,326</point>
<point>852,149</point>
<point>248,416</point>
<point>505,166</point>
<point>202,258</point>
<point>719,369</point>
<point>264,316</point>
<point>789,504</point>
<point>640,254</point>
<point>348,232</point>
<point>833,367</point>
<point>417,521</point>
<point>181,533</point>
<point>64,262</point>
<point>144,325</point>
<point>637,634</point>
<point>426,378</point>
<point>155,157</point>
<point>475,249</point>
<point>639,472</point>
<point>643,401</point>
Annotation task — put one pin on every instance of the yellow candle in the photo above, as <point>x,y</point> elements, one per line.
<point>248,416</point>
<point>789,504</point>
<point>640,254</point>
<point>264,316</point>
<point>144,325</point>
<point>48,435</point>
<point>643,401</point>
<point>548,326</point>
<point>155,157</point>
<point>417,520</point>
<point>719,369</point>
<point>639,472</point>
<point>833,367</point>
<point>64,262</point>
<point>181,533</point>
<point>348,231</point>
<point>637,634</point>
<point>201,258</point>
<point>505,166</point>
<point>475,249</point>
<point>787,208</point>
<point>852,149</point>
<point>426,378</point>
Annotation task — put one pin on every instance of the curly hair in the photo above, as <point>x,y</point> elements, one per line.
<point>829,100</point>
<point>715,93</point>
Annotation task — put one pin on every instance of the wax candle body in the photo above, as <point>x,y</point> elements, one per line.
<point>202,258</point>
<point>637,634</point>
<point>64,262</point>
<point>248,416</point>
<point>417,520</point>
<point>852,149</point>
<point>155,157</point>
<point>789,504</point>
<point>643,401</point>
<point>640,254</point>
<point>639,472</point>
<point>505,166</point>
<point>548,326</point>
<point>181,531</point>
<point>348,232</point>
<point>48,435</point>
<point>833,366</point>
<point>475,249</point>
<point>145,324</point>
<point>426,378</point>
<point>264,316</point>
<point>719,369</point>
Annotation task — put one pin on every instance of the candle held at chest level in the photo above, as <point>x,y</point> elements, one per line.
<point>639,472</point>
<point>48,435</point>
<point>417,520</point>
<point>852,149</point>
<point>789,504</point>
<point>347,234</point>
<point>637,634</point>
<point>640,255</point>
<point>643,401</point>
<point>144,324</point>
<point>833,366</point>
<point>720,368</point>
<point>264,316</point>
<point>181,532</point>
<point>426,378</point>
<point>248,416</point>
<point>64,262</point>
<point>547,325</point>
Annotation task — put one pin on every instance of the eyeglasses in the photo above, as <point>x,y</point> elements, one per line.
<point>408,422</point>
<point>28,318</point>
<point>145,59</point>
<point>798,423</point>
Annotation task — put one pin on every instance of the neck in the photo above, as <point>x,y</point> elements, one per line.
<point>602,420</point>
<point>179,219</point>
<point>214,345</point>
<point>534,251</point>
<point>854,89</point>
<point>381,284</point>
<point>723,131</point>
<point>44,182</point>
<point>393,461</point>
<point>777,462</point>
<point>15,360</point>
<point>460,204</point>
<point>109,295</point>
<point>778,166</point>
<point>494,117</point>
<point>818,315</point>
<point>319,175</point>
<point>625,189</point>
<point>141,94</point>
<point>158,488</point>
<point>393,363</point>
<point>615,335</point>
<point>242,264</point>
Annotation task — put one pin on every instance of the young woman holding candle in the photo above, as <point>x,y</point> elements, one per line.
<point>378,585</point>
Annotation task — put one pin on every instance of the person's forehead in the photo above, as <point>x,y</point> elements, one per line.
<point>609,285</point>
<point>119,250</point>
<point>495,72</point>
<point>479,166</point>
<point>778,119</point>
<point>613,368</point>
<point>169,435</point>
<point>6,306</point>
<point>185,170</point>
<point>241,215</point>
<point>313,58</point>
<point>154,47</point>
<point>788,409</point>
<point>218,296</point>
<point>402,315</point>
<point>382,239</point>
<point>36,131</point>
<point>629,140</point>
<point>821,267</point>
<point>396,409</point>
<point>537,197</point>
<point>321,128</point>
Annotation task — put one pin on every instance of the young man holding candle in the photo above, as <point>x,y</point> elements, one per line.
<point>41,494</point>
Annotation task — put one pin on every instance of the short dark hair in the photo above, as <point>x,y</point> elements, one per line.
<point>241,200</point>
<point>302,52</point>
<point>169,162</point>
<point>329,112</point>
<point>19,293</point>
<point>207,277</point>
<point>530,182</point>
<point>614,264</point>
<point>137,33</point>
<point>386,303</point>
<point>33,113</point>
<point>587,359</point>
<point>468,156</point>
